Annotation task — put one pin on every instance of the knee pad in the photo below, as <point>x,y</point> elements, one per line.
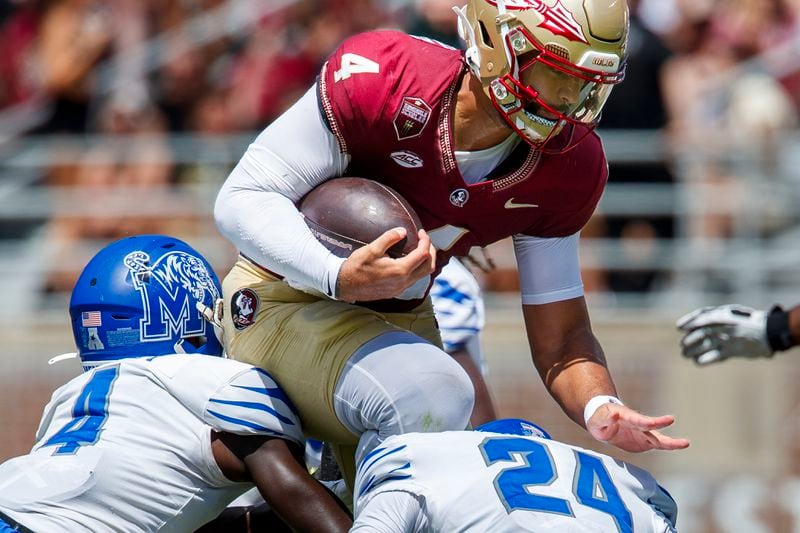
<point>438,397</point>
<point>399,383</point>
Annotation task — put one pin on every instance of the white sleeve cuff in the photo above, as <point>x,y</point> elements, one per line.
<point>553,296</point>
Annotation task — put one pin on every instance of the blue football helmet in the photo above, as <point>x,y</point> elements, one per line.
<point>138,298</point>
<point>514,426</point>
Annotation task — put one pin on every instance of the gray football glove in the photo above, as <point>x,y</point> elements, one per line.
<point>714,334</point>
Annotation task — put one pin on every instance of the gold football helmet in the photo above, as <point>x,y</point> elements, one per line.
<point>546,64</point>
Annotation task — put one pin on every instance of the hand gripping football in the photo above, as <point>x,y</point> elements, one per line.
<point>347,213</point>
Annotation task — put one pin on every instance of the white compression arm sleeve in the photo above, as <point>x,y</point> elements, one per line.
<point>255,208</point>
<point>549,269</point>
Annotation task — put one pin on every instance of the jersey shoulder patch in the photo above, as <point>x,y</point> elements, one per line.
<point>252,403</point>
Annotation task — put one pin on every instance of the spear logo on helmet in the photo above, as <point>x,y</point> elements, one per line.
<point>558,20</point>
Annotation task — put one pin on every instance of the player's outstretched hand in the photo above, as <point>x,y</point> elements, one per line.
<point>714,334</point>
<point>370,274</point>
<point>628,430</point>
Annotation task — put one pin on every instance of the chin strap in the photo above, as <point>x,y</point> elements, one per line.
<point>62,357</point>
<point>467,34</point>
<point>178,347</point>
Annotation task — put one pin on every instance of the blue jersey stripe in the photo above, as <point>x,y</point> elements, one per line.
<point>370,454</point>
<point>365,488</point>
<point>314,444</point>
<point>389,478</point>
<point>257,407</point>
<point>465,329</point>
<point>443,289</point>
<point>450,347</point>
<point>244,423</point>
<point>272,392</point>
<point>378,458</point>
<point>371,484</point>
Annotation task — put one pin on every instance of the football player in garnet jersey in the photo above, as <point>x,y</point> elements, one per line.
<point>486,143</point>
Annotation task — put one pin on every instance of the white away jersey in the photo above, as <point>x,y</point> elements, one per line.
<point>478,482</point>
<point>458,305</point>
<point>127,446</point>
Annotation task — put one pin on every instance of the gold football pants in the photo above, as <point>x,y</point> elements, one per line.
<point>304,341</point>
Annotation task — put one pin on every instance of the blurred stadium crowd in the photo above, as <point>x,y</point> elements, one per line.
<point>712,77</point>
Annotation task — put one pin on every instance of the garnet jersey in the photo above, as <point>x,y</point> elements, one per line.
<point>389,99</point>
<point>127,446</point>
<point>479,481</point>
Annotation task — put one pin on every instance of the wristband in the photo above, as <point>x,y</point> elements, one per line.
<point>595,403</point>
<point>779,336</point>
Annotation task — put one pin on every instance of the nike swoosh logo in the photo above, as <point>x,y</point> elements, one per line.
<point>510,204</point>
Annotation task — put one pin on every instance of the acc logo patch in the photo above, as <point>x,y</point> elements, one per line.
<point>407,159</point>
<point>411,118</point>
<point>459,197</point>
<point>244,305</point>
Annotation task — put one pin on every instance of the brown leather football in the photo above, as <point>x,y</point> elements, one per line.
<point>347,213</point>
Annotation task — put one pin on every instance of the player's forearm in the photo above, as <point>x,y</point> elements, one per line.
<point>576,374</point>
<point>268,228</point>
<point>317,510</point>
<point>567,355</point>
<point>277,470</point>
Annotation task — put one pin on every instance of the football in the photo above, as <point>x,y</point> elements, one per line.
<point>347,213</point>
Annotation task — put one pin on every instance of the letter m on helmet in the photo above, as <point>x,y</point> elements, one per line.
<point>169,290</point>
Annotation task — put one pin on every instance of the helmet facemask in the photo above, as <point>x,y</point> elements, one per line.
<point>543,68</point>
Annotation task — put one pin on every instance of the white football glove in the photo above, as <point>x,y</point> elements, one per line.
<point>716,333</point>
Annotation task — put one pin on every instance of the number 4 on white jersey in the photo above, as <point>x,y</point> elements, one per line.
<point>355,64</point>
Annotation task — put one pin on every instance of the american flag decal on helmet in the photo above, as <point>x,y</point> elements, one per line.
<point>558,20</point>
<point>91,319</point>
